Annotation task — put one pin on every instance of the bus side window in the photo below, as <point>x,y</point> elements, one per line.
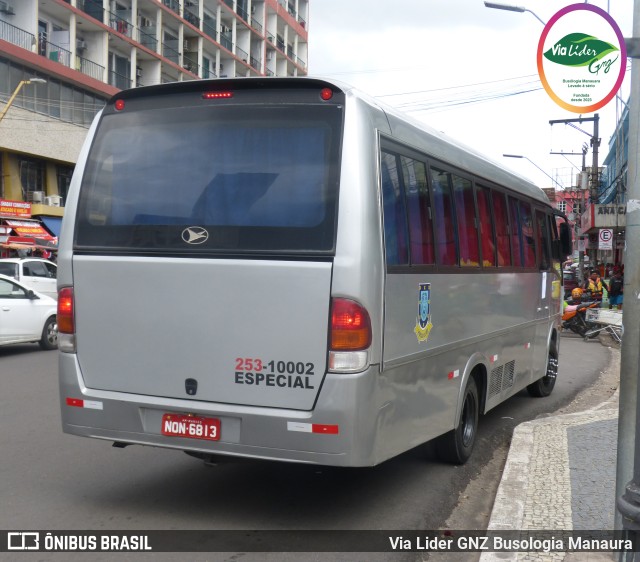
<point>556,251</point>
<point>466,218</point>
<point>444,221</point>
<point>543,239</point>
<point>414,175</point>
<point>528,235</point>
<point>394,214</point>
<point>503,239</point>
<point>516,233</point>
<point>486,227</point>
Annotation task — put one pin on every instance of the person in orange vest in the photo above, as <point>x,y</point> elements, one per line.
<point>594,285</point>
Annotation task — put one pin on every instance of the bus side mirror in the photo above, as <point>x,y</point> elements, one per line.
<point>566,244</point>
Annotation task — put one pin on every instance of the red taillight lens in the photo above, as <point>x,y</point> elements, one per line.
<point>326,94</point>
<point>350,326</point>
<point>217,95</point>
<point>66,320</point>
<point>119,105</point>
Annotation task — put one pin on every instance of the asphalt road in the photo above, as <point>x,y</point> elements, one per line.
<point>49,480</point>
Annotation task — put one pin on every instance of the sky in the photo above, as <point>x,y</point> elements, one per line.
<point>466,70</point>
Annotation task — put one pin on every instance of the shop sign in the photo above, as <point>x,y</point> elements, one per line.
<point>29,229</point>
<point>610,216</point>
<point>19,209</point>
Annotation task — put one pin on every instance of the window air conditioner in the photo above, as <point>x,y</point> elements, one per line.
<point>53,200</point>
<point>6,8</point>
<point>36,196</point>
<point>81,44</point>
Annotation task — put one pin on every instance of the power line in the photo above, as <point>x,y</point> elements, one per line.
<point>457,87</point>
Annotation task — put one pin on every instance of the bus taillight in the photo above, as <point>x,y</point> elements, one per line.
<point>66,321</point>
<point>217,95</point>
<point>326,94</point>
<point>350,326</point>
<point>350,336</point>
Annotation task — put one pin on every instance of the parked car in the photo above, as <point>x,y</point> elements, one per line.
<point>26,315</point>
<point>35,273</point>
<point>569,281</point>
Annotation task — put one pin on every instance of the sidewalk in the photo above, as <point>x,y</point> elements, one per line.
<point>560,475</point>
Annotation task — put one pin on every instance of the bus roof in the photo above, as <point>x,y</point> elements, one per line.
<point>404,128</point>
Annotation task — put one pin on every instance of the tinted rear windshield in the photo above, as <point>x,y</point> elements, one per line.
<point>234,179</point>
<point>9,268</point>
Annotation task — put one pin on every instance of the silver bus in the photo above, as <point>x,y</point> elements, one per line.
<point>285,269</point>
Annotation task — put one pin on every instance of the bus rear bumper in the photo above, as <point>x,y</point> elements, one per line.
<point>334,433</point>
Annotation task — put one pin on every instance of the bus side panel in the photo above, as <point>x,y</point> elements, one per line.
<point>483,313</point>
<point>358,266</point>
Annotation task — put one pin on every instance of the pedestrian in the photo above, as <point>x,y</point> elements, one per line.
<point>594,285</point>
<point>616,288</point>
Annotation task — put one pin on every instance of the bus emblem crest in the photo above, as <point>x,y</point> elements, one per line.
<point>423,321</point>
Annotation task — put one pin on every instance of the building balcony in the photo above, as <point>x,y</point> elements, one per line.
<point>242,54</point>
<point>147,38</point>
<point>192,18</point>
<point>26,40</point>
<point>90,68</point>
<point>120,22</point>
<point>190,63</point>
<point>16,36</point>
<point>170,52</point>
<point>172,5</point>
<point>119,80</point>
<point>54,52</point>
<point>226,42</point>
<point>209,27</point>
<point>92,8</point>
<point>256,25</point>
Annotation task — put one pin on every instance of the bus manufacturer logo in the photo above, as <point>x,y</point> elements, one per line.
<point>195,235</point>
<point>423,321</point>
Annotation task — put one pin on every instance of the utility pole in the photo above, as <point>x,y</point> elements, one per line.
<point>628,471</point>
<point>594,176</point>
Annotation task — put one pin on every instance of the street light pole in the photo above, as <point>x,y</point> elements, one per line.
<point>510,8</point>
<point>17,91</point>
<point>539,168</point>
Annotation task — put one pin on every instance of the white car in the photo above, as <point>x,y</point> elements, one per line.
<point>36,273</point>
<point>26,315</point>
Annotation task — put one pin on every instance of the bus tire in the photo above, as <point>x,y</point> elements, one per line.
<point>456,446</point>
<point>543,386</point>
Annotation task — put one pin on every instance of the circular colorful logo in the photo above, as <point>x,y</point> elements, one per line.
<point>581,58</point>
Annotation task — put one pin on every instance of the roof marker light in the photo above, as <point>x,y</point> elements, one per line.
<point>119,105</point>
<point>326,94</point>
<point>217,95</point>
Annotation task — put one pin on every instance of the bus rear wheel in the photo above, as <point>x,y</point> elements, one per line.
<point>543,387</point>
<point>457,445</point>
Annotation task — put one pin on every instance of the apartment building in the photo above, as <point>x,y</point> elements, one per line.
<point>81,52</point>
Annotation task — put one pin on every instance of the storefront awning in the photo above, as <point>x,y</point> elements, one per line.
<point>32,229</point>
<point>53,224</point>
<point>25,234</point>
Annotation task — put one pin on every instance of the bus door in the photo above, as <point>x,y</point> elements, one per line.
<point>549,290</point>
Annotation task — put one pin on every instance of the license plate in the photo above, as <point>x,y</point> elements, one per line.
<point>193,427</point>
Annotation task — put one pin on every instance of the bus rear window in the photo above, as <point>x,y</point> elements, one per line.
<point>255,178</point>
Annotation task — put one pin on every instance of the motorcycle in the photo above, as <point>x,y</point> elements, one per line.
<point>574,317</point>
